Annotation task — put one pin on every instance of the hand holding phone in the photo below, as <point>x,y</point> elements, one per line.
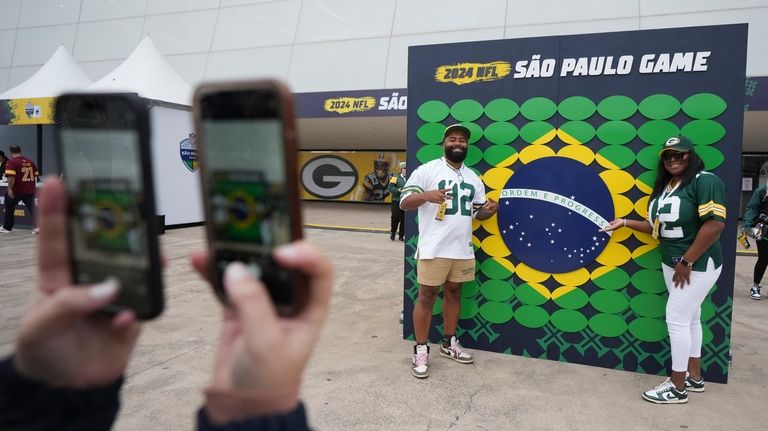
<point>103,149</point>
<point>60,341</point>
<point>246,143</point>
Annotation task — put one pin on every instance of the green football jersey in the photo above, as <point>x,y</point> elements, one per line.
<point>681,211</point>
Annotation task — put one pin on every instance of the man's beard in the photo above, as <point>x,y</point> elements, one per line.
<point>455,157</point>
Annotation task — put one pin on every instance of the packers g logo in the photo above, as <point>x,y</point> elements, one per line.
<point>672,141</point>
<point>328,177</point>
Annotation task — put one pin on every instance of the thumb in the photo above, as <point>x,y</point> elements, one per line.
<point>77,300</point>
<point>251,301</point>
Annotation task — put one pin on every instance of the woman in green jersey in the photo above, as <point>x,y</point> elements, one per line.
<point>686,213</point>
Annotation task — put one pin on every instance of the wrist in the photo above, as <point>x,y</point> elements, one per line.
<point>230,405</point>
<point>686,262</point>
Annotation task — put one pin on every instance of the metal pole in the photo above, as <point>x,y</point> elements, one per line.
<point>40,148</point>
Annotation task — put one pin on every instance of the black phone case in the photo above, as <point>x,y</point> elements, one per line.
<point>135,104</point>
<point>297,280</point>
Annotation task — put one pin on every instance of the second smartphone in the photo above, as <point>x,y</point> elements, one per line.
<point>247,147</point>
<point>103,149</point>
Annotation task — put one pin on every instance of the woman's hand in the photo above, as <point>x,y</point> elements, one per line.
<point>614,224</point>
<point>682,275</point>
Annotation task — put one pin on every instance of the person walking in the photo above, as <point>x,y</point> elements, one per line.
<point>686,213</point>
<point>396,185</point>
<point>22,178</point>
<point>756,226</point>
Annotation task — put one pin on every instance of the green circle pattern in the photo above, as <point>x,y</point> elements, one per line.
<point>580,130</point>
<point>568,320</point>
<point>538,109</point>
<point>648,157</point>
<point>501,109</point>
<point>497,290</point>
<point>615,279</point>
<point>616,132</point>
<point>528,295</point>
<point>659,107</point>
<point>608,325</point>
<point>431,133</point>
<point>531,316</point>
<point>496,312</point>
<point>656,132</point>
<point>577,108</point>
<point>609,301</point>
<point>617,107</point>
<point>498,153</point>
<point>433,111</point>
<point>535,130</point>
<point>501,133</point>
<point>703,106</point>
<point>428,153</point>
<point>466,110</point>
<point>704,132</point>
<point>572,300</point>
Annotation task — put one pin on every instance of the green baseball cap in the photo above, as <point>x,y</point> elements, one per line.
<point>679,144</point>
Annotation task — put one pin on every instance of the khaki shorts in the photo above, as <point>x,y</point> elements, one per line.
<point>435,272</point>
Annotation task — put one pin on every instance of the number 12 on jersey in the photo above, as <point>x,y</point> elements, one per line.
<point>461,198</point>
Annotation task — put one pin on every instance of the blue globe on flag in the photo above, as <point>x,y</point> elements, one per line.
<point>550,214</point>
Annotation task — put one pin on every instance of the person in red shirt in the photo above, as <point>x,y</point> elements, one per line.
<point>22,175</point>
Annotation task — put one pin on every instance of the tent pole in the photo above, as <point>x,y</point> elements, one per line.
<point>40,147</point>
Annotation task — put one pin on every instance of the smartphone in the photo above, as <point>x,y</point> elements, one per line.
<point>102,143</point>
<point>247,147</point>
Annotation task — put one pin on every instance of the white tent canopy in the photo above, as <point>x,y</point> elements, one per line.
<point>58,75</point>
<point>147,73</point>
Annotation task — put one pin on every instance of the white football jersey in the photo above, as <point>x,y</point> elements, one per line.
<point>450,237</point>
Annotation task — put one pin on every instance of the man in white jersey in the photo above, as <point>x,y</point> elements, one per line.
<point>447,195</point>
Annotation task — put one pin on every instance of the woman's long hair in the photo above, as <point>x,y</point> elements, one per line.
<point>695,165</point>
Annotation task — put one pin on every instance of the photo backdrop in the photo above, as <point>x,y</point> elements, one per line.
<point>566,133</point>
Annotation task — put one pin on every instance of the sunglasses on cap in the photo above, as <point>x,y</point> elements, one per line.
<point>673,156</point>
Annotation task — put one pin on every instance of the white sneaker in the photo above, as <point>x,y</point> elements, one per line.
<point>666,393</point>
<point>456,352</point>
<point>35,230</point>
<point>4,230</point>
<point>754,292</point>
<point>420,361</point>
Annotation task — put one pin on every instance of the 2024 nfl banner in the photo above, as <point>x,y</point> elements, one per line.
<point>352,176</point>
<point>566,135</point>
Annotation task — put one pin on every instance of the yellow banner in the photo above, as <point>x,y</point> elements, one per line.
<point>344,105</point>
<point>31,111</point>
<point>357,176</point>
<point>467,73</point>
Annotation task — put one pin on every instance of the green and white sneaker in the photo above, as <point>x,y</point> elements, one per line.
<point>420,361</point>
<point>666,393</point>
<point>693,385</point>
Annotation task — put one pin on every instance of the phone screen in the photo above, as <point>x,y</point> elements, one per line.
<point>102,170</point>
<point>249,211</point>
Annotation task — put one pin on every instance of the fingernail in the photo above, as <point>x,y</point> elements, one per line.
<point>236,272</point>
<point>288,251</point>
<point>104,289</point>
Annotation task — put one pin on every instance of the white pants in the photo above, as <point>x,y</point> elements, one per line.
<point>684,313</point>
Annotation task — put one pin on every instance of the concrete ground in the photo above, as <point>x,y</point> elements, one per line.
<point>359,376</point>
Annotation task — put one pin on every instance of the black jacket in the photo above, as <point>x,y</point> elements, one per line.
<point>27,405</point>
